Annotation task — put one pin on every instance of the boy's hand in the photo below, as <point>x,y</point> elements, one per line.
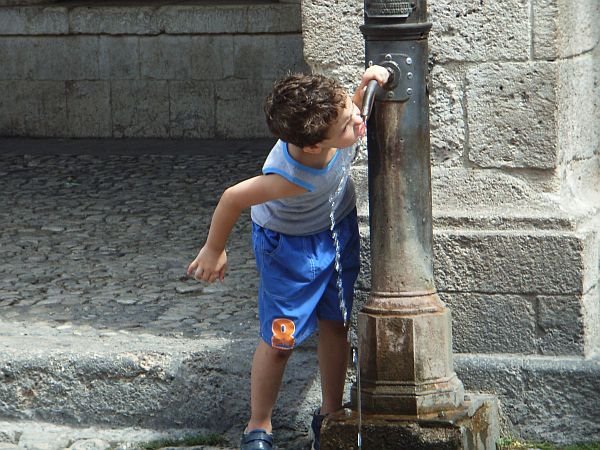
<point>379,73</point>
<point>209,265</point>
<point>375,72</point>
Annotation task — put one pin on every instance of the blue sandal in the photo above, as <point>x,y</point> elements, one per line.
<point>257,440</point>
<point>315,429</point>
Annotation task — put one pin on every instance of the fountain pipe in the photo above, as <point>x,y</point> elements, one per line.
<point>368,99</point>
<point>369,95</point>
<point>404,328</point>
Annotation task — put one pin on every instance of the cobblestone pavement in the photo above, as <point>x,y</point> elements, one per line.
<point>95,238</point>
<point>99,236</point>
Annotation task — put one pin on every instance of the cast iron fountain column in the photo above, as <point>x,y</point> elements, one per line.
<point>404,328</point>
<point>410,396</point>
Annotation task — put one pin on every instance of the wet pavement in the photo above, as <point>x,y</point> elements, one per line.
<point>97,235</point>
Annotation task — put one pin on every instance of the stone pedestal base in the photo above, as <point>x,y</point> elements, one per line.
<point>476,427</point>
<point>406,357</point>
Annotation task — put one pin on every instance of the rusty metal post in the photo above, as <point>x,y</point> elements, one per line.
<point>404,328</point>
<point>409,395</point>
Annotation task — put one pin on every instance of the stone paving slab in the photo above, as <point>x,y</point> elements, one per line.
<point>28,435</point>
<point>102,239</point>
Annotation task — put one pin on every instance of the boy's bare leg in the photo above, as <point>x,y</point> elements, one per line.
<point>333,361</point>
<point>268,366</point>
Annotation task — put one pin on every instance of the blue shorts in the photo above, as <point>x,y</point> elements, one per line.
<point>298,280</point>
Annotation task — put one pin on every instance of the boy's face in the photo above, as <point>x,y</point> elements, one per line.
<point>347,129</point>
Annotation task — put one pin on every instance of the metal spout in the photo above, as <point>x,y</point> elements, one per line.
<point>370,93</point>
<point>368,99</point>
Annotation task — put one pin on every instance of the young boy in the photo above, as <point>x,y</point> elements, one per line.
<point>317,125</point>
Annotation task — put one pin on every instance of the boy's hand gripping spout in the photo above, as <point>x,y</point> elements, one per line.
<point>209,265</point>
<point>374,73</point>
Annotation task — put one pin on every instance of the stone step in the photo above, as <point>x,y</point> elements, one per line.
<point>543,398</point>
<point>126,380</point>
<point>163,387</point>
<point>34,435</point>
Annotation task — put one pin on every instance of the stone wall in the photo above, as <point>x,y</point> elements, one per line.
<point>516,192</point>
<point>195,70</point>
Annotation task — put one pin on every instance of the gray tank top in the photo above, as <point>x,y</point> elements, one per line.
<point>308,213</point>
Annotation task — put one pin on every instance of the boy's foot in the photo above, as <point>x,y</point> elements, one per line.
<point>257,440</point>
<point>315,429</point>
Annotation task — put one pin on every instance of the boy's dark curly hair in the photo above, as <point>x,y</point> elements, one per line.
<point>302,107</point>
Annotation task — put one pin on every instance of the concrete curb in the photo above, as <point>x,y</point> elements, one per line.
<point>35,435</point>
<point>170,386</point>
<point>537,393</point>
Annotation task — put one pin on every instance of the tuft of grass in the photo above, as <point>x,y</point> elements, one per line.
<point>189,441</point>
<point>515,444</point>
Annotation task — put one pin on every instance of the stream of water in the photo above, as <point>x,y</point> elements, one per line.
<point>334,200</point>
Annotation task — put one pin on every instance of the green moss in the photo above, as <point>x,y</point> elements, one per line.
<point>211,439</point>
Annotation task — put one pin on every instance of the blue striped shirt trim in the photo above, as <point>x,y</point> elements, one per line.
<point>288,157</point>
<point>287,176</point>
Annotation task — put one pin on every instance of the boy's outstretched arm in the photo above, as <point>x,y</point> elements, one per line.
<point>211,262</point>
<point>378,73</point>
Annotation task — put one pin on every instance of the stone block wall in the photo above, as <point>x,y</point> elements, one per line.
<point>174,71</point>
<point>529,105</point>
<point>515,158</point>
